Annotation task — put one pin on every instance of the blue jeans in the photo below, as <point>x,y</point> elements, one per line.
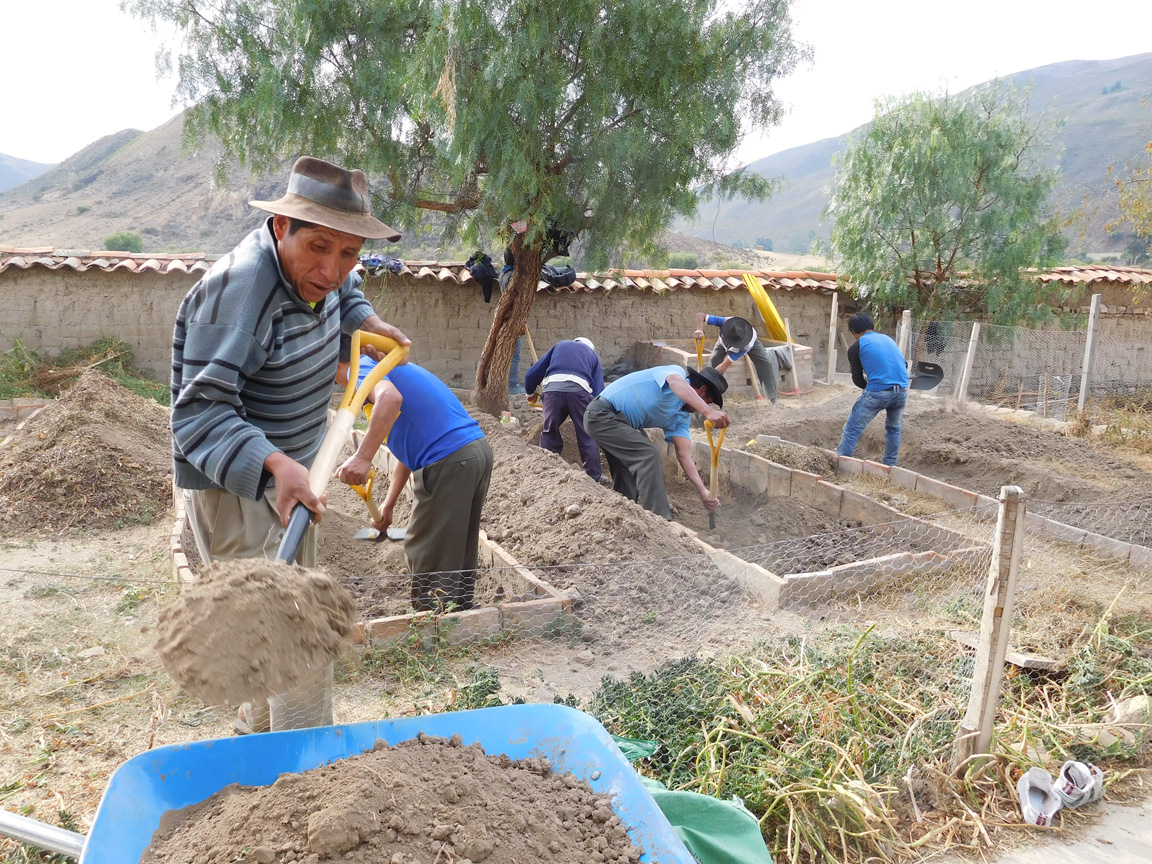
<point>515,383</point>
<point>871,403</point>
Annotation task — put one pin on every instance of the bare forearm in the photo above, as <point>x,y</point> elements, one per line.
<point>690,397</point>
<point>400,475</point>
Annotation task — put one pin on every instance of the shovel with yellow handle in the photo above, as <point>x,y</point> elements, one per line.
<point>699,352</point>
<point>714,474</point>
<point>324,464</point>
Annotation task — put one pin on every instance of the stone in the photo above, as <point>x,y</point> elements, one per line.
<point>89,653</point>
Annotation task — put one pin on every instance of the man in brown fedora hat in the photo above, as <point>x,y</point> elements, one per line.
<point>254,355</point>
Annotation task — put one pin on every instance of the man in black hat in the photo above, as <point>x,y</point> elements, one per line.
<point>254,355</point>
<point>737,339</point>
<point>659,398</point>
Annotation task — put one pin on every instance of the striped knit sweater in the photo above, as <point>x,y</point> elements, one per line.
<point>252,369</point>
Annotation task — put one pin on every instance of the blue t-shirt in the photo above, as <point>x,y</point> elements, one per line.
<point>882,361</point>
<point>647,402</point>
<point>432,422</point>
<point>734,354</point>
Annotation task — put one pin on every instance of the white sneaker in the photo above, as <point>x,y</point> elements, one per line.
<point>1079,784</point>
<point>1038,800</point>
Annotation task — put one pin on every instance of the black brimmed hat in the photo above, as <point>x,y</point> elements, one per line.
<point>737,334</point>
<point>328,195</point>
<point>713,380</point>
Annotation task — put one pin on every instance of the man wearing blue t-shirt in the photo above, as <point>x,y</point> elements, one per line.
<point>879,369</point>
<point>737,339</point>
<point>660,398</point>
<point>438,444</point>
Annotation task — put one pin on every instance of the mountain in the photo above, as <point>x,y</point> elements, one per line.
<point>1107,123</point>
<point>15,171</point>
<point>137,181</point>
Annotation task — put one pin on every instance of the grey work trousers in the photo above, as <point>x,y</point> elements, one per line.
<point>636,465</point>
<point>767,362</point>
<point>228,527</point>
<point>442,544</point>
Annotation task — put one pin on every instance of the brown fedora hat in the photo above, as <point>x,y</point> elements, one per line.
<point>331,196</point>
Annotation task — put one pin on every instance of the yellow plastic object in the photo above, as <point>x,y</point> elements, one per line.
<point>714,447</point>
<point>365,493</point>
<point>354,397</point>
<point>772,319</point>
<point>699,352</point>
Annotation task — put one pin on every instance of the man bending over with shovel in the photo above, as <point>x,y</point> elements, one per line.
<point>571,376</point>
<point>737,339</point>
<point>438,444</point>
<point>659,398</point>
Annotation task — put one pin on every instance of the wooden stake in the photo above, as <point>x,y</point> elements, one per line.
<point>792,358</point>
<point>1020,395</point>
<point>975,733</point>
<point>531,347</point>
<point>832,328</point>
<point>754,378</point>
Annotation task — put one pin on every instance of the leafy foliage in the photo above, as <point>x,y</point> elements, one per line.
<point>942,201</point>
<point>1135,203</point>
<point>124,241</point>
<point>602,120</point>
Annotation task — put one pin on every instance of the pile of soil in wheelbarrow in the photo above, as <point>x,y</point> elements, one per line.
<point>428,799</point>
<point>98,457</point>
<point>252,628</point>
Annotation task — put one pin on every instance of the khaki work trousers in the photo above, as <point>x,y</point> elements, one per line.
<point>228,527</point>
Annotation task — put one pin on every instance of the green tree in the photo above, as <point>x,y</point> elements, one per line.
<point>602,120</point>
<point>1135,205</point>
<point>124,241</point>
<point>941,202</point>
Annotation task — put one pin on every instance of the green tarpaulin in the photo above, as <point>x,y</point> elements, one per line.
<point>715,831</point>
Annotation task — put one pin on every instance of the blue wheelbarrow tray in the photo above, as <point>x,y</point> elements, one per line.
<point>177,776</point>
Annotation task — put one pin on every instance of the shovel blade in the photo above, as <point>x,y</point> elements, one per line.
<point>368,534</point>
<point>396,534</point>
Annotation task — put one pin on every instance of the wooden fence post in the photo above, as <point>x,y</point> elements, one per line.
<point>832,328</point>
<point>975,733</point>
<point>1089,352</point>
<point>966,375</point>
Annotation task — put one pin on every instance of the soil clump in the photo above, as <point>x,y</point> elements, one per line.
<point>97,458</point>
<point>424,799</point>
<point>253,628</point>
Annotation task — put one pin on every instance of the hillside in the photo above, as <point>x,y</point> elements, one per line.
<point>1103,126</point>
<point>15,171</point>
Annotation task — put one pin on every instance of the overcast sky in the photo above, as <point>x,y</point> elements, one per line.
<point>72,71</point>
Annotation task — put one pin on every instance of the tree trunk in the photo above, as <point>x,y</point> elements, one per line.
<point>507,326</point>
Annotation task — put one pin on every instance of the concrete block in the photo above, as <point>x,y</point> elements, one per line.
<point>875,469</point>
<point>822,495</point>
<point>1140,557</point>
<point>472,626</point>
<point>393,627</point>
<point>859,508</point>
<point>761,584</point>
<point>535,616</point>
<point>1054,530</point>
<point>779,480</point>
<point>849,465</point>
<point>902,477</point>
<point>805,589</point>
<point>955,497</point>
<point>1106,545</point>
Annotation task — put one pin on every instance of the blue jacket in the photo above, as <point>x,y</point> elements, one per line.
<point>567,358</point>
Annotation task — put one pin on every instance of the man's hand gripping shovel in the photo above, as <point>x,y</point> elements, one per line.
<point>714,474</point>
<point>365,493</point>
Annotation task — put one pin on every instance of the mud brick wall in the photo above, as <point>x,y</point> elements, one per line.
<point>51,310</point>
<point>449,323</point>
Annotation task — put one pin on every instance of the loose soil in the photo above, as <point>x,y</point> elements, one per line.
<point>97,458</point>
<point>248,629</point>
<point>424,799</point>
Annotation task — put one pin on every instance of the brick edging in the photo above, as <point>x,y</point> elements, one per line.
<point>181,571</point>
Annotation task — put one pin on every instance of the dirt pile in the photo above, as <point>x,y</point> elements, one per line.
<point>426,799</point>
<point>546,511</point>
<point>97,458</point>
<point>253,628</point>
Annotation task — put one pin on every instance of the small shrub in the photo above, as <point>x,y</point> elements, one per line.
<point>683,261</point>
<point>124,241</point>
<point>82,209</point>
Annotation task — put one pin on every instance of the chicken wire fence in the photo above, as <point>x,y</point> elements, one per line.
<point>1032,370</point>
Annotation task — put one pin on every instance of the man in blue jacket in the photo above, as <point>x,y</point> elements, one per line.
<point>879,369</point>
<point>569,376</point>
<point>438,444</point>
<point>737,340</point>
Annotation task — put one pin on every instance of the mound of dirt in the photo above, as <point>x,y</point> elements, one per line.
<point>253,628</point>
<point>97,458</point>
<point>424,799</point>
<point>546,511</point>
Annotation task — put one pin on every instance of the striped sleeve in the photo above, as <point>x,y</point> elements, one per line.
<point>209,428</point>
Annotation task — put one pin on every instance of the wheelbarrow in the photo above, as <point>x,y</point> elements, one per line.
<point>170,778</point>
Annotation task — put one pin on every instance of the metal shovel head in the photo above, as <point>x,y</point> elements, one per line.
<point>927,376</point>
<point>393,534</point>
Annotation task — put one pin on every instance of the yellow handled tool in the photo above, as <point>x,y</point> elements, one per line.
<point>714,475</point>
<point>699,353</point>
<point>772,320</point>
<point>325,462</point>
<point>365,493</point>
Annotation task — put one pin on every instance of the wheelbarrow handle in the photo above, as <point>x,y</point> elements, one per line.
<point>41,834</point>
